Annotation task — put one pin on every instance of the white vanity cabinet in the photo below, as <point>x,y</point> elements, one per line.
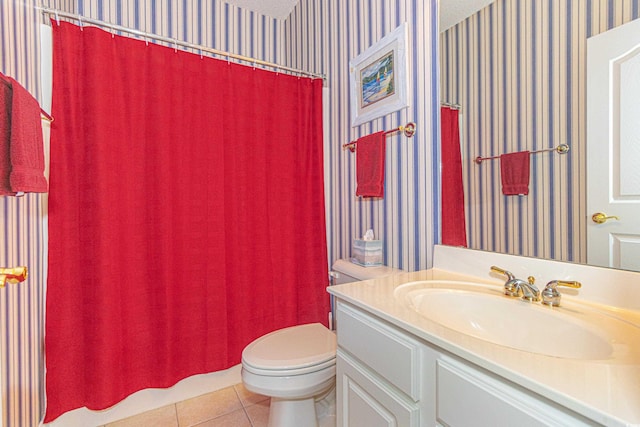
<point>378,373</point>
<point>388,377</point>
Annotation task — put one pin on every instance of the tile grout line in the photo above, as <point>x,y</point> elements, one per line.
<point>244,408</point>
<point>175,414</point>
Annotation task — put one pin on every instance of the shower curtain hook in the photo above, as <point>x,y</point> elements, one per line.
<point>228,59</point>
<point>57,18</point>
<point>80,22</point>
<point>201,54</point>
<point>175,45</point>
<point>113,30</point>
<point>146,40</point>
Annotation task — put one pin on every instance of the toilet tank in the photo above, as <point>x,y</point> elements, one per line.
<point>344,271</point>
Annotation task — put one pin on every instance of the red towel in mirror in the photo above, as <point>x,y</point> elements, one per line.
<point>5,135</point>
<point>514,172</point>
<point>21,142</point>
<point>27,146</point>
<point>370,151</point>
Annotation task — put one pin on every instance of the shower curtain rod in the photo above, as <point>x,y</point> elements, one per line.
<point>81,19</point>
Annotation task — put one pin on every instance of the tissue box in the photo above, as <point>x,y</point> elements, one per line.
<point>367,252</point>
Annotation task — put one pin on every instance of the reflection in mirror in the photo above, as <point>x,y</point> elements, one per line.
<point>518,70</point>
<point>613,156</point>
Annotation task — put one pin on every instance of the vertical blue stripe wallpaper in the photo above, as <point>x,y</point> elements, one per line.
<point>518,69</point>
<point>22,242</point>
<point>211,23</point>
<point>513,67</point>
<point>406,219</point>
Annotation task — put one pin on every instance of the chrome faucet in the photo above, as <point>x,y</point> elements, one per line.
<point>514,287</point>
<point>12,275</point>
<point>529,291</point>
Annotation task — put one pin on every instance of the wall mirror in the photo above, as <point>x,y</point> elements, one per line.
<point>519,72</point>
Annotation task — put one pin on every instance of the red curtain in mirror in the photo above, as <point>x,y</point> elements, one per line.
<point>453,221</point>
<point>186,215</point>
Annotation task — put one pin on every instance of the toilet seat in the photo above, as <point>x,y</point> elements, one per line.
<point>296,350</point>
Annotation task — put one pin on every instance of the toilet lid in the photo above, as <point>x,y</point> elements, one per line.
<point>291,348</point>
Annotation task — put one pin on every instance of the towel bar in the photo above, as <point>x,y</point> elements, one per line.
<point>560,149</point>
<point>409,130</point>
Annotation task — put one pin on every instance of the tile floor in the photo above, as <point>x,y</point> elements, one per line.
<point>230,407</point>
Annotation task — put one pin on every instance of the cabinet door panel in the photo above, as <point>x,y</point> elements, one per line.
<point>364,401</point>
<point>388,352</point>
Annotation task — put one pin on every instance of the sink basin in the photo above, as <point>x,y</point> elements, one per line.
<point>487,314</point>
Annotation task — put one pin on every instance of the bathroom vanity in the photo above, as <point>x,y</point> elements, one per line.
<point>405,359</point>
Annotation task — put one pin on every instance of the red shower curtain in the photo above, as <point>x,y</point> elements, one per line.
<point>186,215</point>
<point>453,222</point>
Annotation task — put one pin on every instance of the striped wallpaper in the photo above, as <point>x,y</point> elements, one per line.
<point>210,23</point>
<point>22,242</point>
<point>322,36</point>
<point>518,69</point>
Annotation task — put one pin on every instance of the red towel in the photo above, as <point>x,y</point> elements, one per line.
<point>370,165</point>
<point>26,147</point>
<point>5,135</point>
<point>514,172</point>
<point>453,227</point>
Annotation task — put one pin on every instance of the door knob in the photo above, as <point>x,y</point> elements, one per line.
<point>12,275</point>
<point>600,218</point>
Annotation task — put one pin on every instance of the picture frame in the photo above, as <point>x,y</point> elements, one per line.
<point>378,78</point>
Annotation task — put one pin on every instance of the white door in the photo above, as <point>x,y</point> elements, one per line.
<point>613,145</point>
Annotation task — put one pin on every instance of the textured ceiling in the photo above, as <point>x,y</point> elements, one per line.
<point>279,9</point>
<point>455,11</point>
<point>451,11</point>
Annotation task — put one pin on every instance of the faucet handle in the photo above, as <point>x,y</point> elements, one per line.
<point>551,296</point>
<point>511,287</point>
<point>499,270</point>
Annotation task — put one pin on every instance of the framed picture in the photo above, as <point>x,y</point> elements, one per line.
<point>378,78</point>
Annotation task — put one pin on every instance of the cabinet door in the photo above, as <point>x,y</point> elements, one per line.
<point>469,397</point>
<point>398,355</point>
<point>366,401</point>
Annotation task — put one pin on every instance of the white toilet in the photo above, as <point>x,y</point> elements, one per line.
<point>296,366</point>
